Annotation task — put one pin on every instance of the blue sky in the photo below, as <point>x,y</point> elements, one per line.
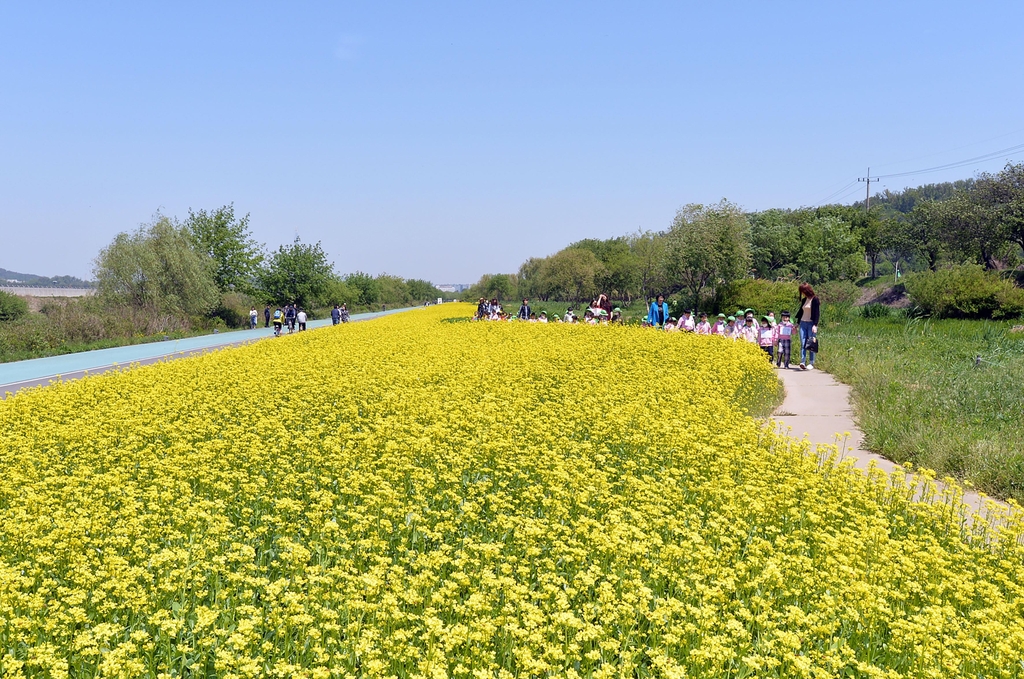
<point>448,140</point>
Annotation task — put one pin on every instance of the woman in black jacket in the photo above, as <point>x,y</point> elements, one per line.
<point>808,314</point>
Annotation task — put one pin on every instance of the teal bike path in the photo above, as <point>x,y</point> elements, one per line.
<point>35,371</point>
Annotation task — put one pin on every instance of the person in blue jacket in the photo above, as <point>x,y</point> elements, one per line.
<point>658,313</point>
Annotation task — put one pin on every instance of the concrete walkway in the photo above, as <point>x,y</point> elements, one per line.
<point>817,407</point>
<point>19,375</point>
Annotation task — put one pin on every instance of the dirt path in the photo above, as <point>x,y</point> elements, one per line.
<point>817,407</point>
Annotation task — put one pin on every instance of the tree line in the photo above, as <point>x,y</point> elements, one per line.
<point>209,264</point>
<point>708,248</point>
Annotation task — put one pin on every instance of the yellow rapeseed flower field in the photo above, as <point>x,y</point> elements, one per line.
<point>419,497</point>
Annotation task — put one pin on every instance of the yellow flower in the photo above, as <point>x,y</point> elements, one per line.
<point>420,496</point>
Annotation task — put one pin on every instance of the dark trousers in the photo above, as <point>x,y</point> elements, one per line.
<point>785,347</point>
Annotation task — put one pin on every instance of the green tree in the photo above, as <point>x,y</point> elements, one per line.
<point>898,241</point>
<point>422,291</point>
<point>922,232</point>
<point>227,241</point>
<point>706,247</point>
<point>829,251</point>
<point>340,292</point>
<point>572,274</point>
<point>297,273</point>
<point>774,244</point>
<point>893,203</point>
<point>1003,196</point>
<point>618,277</point>
<point>366,286</point>
<point>973,230</point>
<point>393,290</point>
<point>157,266</point>
<point>500,285</point>
<point>869,230</point>
<point>530,283</point>
<point>648,249</point>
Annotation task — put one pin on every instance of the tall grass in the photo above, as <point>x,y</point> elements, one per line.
<point>948,395</point>
<point>70,325</point>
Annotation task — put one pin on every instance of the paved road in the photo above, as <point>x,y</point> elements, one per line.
<point>817,407</point>
<point>33,372</point>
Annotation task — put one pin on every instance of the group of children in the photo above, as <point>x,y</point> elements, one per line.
<point>599,312</point>
<point>775,337</point>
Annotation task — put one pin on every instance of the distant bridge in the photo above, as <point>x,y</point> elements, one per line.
<point>31,291</point>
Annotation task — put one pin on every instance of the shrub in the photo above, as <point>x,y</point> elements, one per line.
<point>12,307</point>
<point>85,322</point>
<point>340,292</point>
<point>234,309</point>
<point>843,293</point>
<point>761,295</point>
<point>967,291</point>
<point>89,319</point>
<point>837,297</point>
<point>876,311</point>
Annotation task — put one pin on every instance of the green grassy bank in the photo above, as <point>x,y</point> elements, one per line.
<point>947,395</point>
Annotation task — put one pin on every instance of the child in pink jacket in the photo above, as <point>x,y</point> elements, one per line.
<point>766,337</point>
<point>784,332</point>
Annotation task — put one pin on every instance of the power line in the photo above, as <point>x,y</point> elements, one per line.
<point>1010,150</point>
<point>835,193</point>
<point>957,148</point>
<point>959,163</point>
<point>844,190</point>
<point>846,195</point>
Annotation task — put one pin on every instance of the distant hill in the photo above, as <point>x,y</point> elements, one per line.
<point>15,278</point>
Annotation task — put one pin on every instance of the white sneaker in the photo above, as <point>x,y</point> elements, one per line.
<point>810,367</point>
<point>803,367</point>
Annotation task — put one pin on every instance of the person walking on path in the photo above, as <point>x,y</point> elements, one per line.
<point>524,311</point>
<point>785,334</point>
<point>749,330</point>
<point>253,315</point>
<point>766,338</point>
<point>808,317</point>
<point>301,317</point>
<point>344,313</point>
<point>335,315</point>
<point>703,328</point>
<point>266,316</point>
<point>657,315</point>
<point>686,323</point>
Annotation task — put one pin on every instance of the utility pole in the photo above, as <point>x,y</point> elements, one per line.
<point>868,179</point>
